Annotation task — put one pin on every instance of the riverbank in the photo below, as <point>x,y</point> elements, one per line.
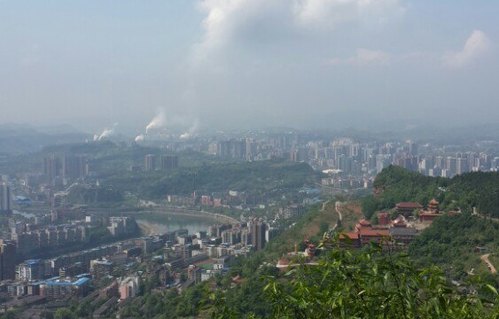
<point>178,211</point>
<point>147,228</point>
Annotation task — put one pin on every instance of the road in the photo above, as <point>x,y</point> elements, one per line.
<point>324,205</point>
<point>337,206</point>
<point>486,260</point>
<point>171,210</point>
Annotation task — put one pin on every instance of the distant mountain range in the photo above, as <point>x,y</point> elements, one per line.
<point>18,138</point>
<point>25,138</point>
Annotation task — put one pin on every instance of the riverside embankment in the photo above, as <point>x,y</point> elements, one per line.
<point>162,220</point>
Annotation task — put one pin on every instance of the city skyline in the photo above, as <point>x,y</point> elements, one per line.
<point>242,158</point>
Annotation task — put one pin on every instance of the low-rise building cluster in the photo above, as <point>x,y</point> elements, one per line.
<point>411,218</point>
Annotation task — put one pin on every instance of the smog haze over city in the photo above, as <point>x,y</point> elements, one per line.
<point>249,159</point>
<point>226,64</point>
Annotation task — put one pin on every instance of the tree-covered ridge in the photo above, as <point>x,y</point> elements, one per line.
<point>105,158</point>
<point>91,194</point>
<point>396,184</point>
<point>252,177</point>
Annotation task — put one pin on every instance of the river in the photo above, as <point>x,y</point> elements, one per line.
<point>161,222</point>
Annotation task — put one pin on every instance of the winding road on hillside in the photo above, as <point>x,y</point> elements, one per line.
<point>485,259</point>
<point>337,206</point>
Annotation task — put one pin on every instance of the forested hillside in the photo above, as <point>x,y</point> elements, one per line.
<point>456,243</point>
<point>395,184</point>
<point>251,177</point>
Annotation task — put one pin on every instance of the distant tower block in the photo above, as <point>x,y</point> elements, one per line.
<point>150,162</point>
<point>169,162</point>
<point>5,198</point>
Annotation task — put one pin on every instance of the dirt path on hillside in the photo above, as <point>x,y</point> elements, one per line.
<point>351,213</point>
<point>337,206</point>
<point>485,259</point>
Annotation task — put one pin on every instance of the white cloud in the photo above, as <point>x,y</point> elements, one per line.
<point>363,57</point>
<point>476,45</point>
<point>219,20</point>
<point>228,21</point>
<point>331,13</point>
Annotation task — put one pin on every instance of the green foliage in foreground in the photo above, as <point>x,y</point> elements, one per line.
<point>370,284</point>
<point>346,284</point>
<point>168,304</point>
<point>396,184</point>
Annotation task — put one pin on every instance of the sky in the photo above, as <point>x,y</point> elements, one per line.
<point>195,64</point>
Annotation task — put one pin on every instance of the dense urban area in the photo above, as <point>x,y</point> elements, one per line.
<point>85,224</point>
<point>249,159</point>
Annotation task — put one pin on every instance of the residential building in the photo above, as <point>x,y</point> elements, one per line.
<point>5,198</point>
<point>7,259</point>
<point>62,288</point>
<point>169,162</point>
<point>33,269</point>
<point>150,162</point>
<point>258,234</point>
<point>129,287</point>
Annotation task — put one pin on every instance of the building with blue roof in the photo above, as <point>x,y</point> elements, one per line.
<point>63,288</point>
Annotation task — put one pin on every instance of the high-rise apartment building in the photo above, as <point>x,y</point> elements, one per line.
<point>258,234</point>
<point>74,166</point>
<point>150,162</point>
<point>169,162</point>
<point>51,167</point>
<point>462,165</point>
<point>7,259</point>
<point>33,269</point>
<point>451,166</point>
<point>235,149</point>
<point>5,199</point>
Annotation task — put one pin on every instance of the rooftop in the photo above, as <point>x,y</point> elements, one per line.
<point>403,231</point>
<point>374,233</point>
<point>80,282</point>
<point>409,205</point>
<point>434,202</point>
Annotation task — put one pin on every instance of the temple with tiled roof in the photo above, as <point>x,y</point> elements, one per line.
<point>432,212</point>
<point>407,208</point>
<point>433,206</point>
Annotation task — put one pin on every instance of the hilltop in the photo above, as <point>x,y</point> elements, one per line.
<point>464,192</point>
<point>454,241</point>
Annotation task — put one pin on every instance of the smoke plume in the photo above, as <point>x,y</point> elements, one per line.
<point>106,133</point>
<point>140,138</point>
<point>191,131</point>
<point>159,121</point>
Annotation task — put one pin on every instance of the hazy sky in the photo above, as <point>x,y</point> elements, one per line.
<point>93,63</point>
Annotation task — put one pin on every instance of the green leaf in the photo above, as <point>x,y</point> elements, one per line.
<point>492,289</point>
